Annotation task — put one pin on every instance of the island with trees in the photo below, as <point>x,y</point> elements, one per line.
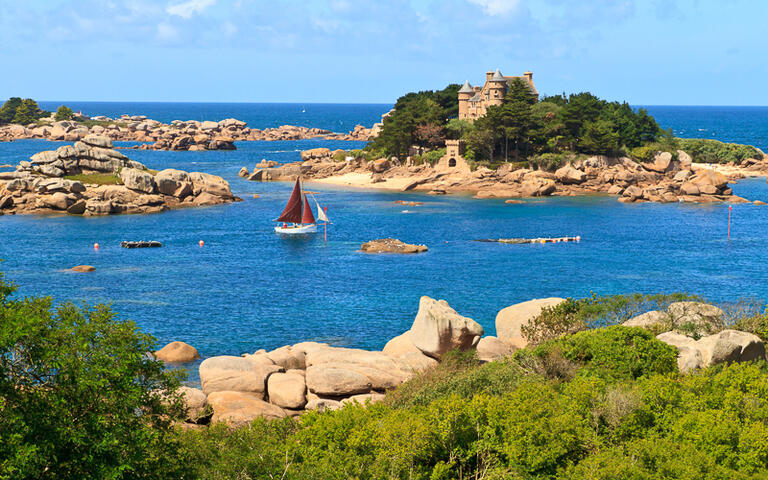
<point>526,146</point>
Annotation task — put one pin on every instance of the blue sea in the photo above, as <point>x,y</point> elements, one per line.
<point>248,288</point>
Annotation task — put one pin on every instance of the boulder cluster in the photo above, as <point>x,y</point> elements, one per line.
<point>40,184</point>
<point>178,135</point>
<point>316,376</point>
<point>667,178</point>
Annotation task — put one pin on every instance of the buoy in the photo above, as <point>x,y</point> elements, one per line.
<point>578,238</point>
<point>201,243</point>
<point>95,246</point>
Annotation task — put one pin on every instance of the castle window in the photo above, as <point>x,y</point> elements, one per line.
<point>452,162</point>
<point>495,94</point>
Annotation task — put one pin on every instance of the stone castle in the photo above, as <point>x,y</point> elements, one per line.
<point>474,101</point>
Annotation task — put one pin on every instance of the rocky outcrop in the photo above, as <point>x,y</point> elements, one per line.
<point>663,180</point>
<point>317,376</point>
<point>510,320</point>
<point>391,245</point>
<point>438,329</point>
<point>177,352</point>
<point>724,347</point>
<point>119,185</point>
<point>691,318</point>
<point>189,135</point>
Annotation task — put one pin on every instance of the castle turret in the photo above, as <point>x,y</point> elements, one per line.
<point>465,93</point>
<point>497,88</point>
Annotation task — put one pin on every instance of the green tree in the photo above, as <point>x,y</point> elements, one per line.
<point>64,113</point>
<point>80,397</point>
<point>8,110</point>
<point>27,112</point>
<point>412,111</point>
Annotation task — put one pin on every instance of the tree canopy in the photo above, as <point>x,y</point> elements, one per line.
<point>519,128</point>
<point>80,397</point>
<point>24,112</point>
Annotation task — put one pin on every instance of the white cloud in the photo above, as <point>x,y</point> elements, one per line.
<point>166,32</point>
<point>186,9</point>
<point>497,7</point>
<point>229,29</point>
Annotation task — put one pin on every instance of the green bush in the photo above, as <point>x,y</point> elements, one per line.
<point>573,316</point>
<point>64,113</point>
<point>756,324</point>
<point>617,352</point>
<point>433,156</point>
<point>713,151</point>
<point>80,397</point>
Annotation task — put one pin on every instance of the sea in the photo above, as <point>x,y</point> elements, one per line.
<point>248,288</point>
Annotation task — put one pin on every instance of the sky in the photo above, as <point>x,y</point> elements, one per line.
<point>646,52</point>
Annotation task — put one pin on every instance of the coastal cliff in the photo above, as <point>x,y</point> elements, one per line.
<point>90,178</point>
<point>666,178</point>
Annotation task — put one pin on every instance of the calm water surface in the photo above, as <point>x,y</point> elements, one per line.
<point>247,288</point>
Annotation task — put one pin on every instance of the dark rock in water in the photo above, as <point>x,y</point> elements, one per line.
<point>141,244</point>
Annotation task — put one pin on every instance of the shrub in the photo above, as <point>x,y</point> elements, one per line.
<point>713,151</point>
<point>616,352</point>
<point>63,113</point>
<point>433,156</point>
<point>80,397</point>
<point>573,316</point>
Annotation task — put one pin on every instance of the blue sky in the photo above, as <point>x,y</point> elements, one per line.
<point>687,52</point>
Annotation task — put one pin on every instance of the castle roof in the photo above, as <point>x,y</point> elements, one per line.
<point>467,88</point>
<point>527,80</point>
<point>476,98</point>
<point>498,77</point>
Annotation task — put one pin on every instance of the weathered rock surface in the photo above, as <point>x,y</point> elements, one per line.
<point>724,347</point>
<point>391,245</point>
<point>490,348</point>
<point>510,319</point>
<point>336,381</point>
<point>239,408</point>
<point>693,318</point>
<point>287,390</point>
<point>226,373</point>
<point>177,352</point>
<point>195,402</point>
<point>37,187</point>
<point>438,329</point>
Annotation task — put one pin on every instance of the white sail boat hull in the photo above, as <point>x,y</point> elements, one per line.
<point>296,229</point>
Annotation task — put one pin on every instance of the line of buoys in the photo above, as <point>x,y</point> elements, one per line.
<point>532,240</point>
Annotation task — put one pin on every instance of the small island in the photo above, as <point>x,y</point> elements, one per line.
<point>502,141</point>
<point>23,119</point>
<point>90,178</point>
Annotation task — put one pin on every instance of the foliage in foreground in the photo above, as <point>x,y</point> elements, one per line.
<point>80,397</point>
<point>601,404</point>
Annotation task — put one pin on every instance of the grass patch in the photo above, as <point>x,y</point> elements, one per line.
<point>96,178</point>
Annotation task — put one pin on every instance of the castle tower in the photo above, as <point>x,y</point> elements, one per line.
<point>497,89</point>
<point>465,94</point>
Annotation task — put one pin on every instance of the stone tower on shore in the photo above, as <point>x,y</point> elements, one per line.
<point>474,101</point>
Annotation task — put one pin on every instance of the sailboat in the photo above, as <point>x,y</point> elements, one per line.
<point>297,217</point>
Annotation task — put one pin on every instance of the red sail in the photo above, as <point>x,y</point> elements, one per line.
<point>308,217</point>
<point>292,212</point>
